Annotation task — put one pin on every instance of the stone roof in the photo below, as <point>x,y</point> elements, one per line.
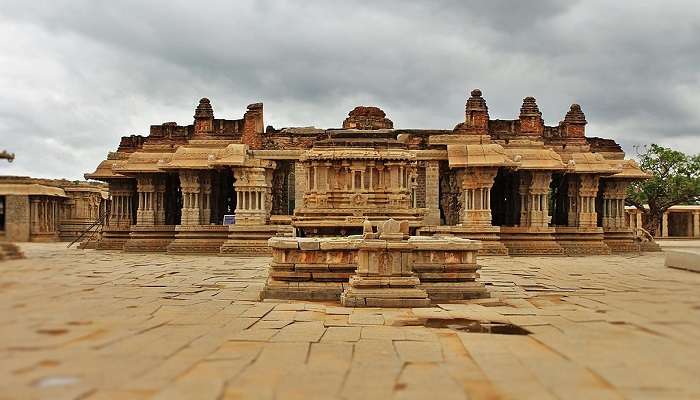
<point>30,189</point>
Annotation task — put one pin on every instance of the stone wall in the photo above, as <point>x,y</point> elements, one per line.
<point>17,219</point>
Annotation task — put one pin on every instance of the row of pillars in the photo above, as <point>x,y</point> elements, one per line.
<point>44,215</point>
<point>323,177</point>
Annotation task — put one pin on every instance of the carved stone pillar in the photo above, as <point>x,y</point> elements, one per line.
<point>614,192</point>
<point>159,199</point>
<point>145,215</point>
<point>300,184</point>
<point>476,196</point>
<point>205,203</point>
<point>587,192</point>
<point>432,193</point>
<point>189,184</point>
<point>120,210</point>
<point>696,224</point>
<point>534,198</point>
<point>253,188</point>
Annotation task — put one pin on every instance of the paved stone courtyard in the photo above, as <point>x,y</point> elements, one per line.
<point>82,324</point>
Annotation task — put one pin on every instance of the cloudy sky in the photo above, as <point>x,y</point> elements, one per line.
<point>77,75</point>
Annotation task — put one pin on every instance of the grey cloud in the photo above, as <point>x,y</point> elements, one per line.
<point>79,74</point>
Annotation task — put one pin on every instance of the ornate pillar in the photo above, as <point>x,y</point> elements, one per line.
<point>159,199</point>
<point>614,192</point>
<point>254,188</point>
<point>145,215</point>
<point>120,210</point>
<point>205,204</point>
<point>189,184</point>
<point>476,196</point>
<point>696,223</point>
<point>432,193</point>
<point>300,183</point>
<point>534,198</point>
<point>638,215</point>
<point>587,192</point>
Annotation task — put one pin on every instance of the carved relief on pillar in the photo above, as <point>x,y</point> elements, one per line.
<point>253,187</point>
<point>121,207</point>
<point>614,193</point>
<point>582,193</point>
<point>476,196</point>
<point>534,198</point>
<point>159,199</point>
<point>190,187</point>
<point>205,198</point>
<point>145,187</point>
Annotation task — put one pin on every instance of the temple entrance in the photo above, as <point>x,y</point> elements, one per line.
<point>223,195</point>
<point>599,200</point>
<point>173,199</point>
<point>559,199</point>
<point>505,199</point>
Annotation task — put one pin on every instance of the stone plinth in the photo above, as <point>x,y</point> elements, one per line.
<point>621,240</point>
<point>386,269</point>
<point>198,239</point>
<point>446,267</point>
<point>113,238</point>
<point>530,241</point>
<point>310,268</point>
<point>150,238</point>
<point>252,239</point>
<point>576,241</point>
<point>488,236</point>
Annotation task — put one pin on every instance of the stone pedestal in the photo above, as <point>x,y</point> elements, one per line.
<point>310,268</point>
<point>490,237</point>
<point>384,277</point>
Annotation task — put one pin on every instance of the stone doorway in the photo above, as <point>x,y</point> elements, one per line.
<point>223,195</point>
<point>505,199</point>
<point>173,199</point>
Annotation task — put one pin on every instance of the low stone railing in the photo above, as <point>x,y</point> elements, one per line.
<point>388,268</point>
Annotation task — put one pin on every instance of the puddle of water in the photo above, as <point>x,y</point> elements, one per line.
<point>52,381</point>
<point>468,325</point>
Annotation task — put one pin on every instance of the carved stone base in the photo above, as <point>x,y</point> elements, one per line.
<point>581,241</point>
<point>113,238</point>
<point>491,244</point>
<point>72,229</point>
<point>621,240</point>
<point>149,238</point>
<point>252,239</point>
<point>198,239</point>
<point>384,292</point>
<point>530,241</point>
<point>309,268</point>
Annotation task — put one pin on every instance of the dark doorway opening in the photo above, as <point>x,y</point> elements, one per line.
<point>559,199</point>
<point>505,199</point>
<point>223,195</point>
<point>2,213</point>
<point>173,199</point>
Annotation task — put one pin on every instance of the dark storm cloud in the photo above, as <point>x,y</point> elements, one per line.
<point>76,75</point>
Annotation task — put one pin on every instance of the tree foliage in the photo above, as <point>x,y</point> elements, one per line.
<point>675,180</point>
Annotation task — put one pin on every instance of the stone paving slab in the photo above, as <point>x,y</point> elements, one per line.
<point>86,324</point>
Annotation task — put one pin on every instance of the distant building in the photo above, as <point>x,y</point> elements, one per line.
<point>48,210</point>
<point>677,222</point>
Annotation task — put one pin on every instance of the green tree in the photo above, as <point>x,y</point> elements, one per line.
<point>675,180</point>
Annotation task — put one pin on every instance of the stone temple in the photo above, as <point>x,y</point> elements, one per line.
<point>225,186</point>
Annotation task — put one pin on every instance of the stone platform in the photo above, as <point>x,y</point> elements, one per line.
<point>375,269</point>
